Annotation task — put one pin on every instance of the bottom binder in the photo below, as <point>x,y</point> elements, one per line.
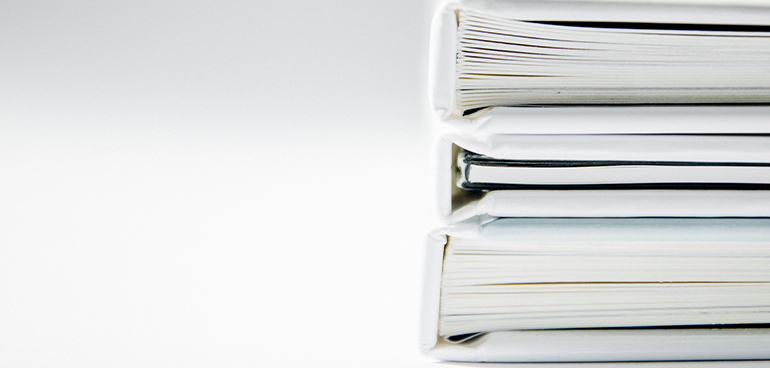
<point>602,289</point>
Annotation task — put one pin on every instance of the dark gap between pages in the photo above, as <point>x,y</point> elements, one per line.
<point>648,186</point>
<point>661,26</point>
<point>463,338</point>
<point>494,162</point>
<point>472,111</point>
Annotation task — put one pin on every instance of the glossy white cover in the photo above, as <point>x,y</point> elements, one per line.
<point>713,119</point>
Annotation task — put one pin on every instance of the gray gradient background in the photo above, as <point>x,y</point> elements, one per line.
<point>211,183</point>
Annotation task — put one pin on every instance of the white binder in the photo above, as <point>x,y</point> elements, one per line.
<point>589,119</point>
<point>573,345</point>
<point>456,204</point>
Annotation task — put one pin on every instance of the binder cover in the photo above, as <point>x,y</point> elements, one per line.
<point>590,119</point>
<point>456,204</point>
<point>594,345</point>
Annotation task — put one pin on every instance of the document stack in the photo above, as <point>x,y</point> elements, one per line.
<point>604,185</point>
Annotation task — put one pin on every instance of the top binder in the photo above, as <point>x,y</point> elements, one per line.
<point>601,67</point>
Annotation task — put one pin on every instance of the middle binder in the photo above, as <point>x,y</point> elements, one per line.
<point>604,176</point>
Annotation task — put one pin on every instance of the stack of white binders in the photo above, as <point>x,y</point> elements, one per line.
<point>605,185</point>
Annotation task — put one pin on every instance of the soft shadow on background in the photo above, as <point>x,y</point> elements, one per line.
<point>212,182</point>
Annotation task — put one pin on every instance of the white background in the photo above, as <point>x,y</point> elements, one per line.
<point>212,183</point>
